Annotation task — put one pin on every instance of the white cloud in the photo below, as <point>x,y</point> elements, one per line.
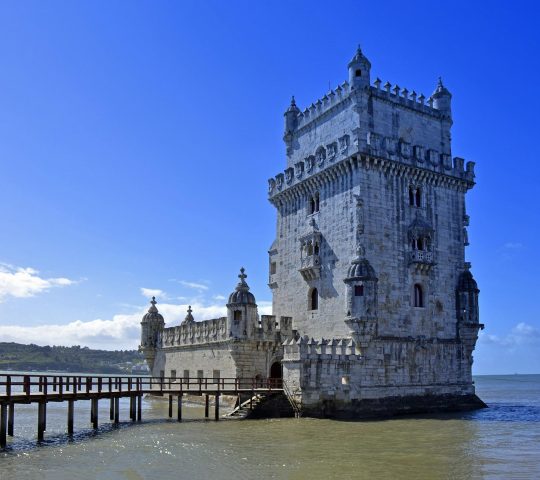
<point>520,335</point>
<point>513,245</point>
<point>25,282</point>
<point>195,286</point>
<point>219,297</point>
<point>153,292</point>
<point>120,332</point>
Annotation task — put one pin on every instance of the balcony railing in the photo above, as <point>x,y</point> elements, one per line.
<point>421,256</point>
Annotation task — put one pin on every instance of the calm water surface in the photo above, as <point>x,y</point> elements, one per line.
<point>500,442</point>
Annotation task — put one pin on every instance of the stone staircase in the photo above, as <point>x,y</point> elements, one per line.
<point>263,405</point>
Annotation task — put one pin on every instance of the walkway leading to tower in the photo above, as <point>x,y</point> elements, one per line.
<point>41,389</point>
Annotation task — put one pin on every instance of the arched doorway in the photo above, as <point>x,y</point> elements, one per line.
<point>276,375</point>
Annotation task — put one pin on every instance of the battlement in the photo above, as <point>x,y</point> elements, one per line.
<point>194,333</point>
<point>327,161</point>
<point>394,94</point>
<point>305,348</point>
<point>216,330</point>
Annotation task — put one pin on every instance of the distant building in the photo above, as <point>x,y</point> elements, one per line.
<point>375,309</point>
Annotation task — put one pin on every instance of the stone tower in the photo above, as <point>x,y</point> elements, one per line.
<point>370,245</point>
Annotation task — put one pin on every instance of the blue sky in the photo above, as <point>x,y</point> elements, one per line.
<point>136,139</point>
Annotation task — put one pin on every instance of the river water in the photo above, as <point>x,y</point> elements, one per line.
<point>500,442</point>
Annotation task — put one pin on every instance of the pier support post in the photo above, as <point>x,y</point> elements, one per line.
<point>41,420</point>
<point>111,409</point>
<point>216,412</point>
<point>3,422</point>
<point>139,408</point>
<point>170,405</point>
<point>11,419</point>
<point>116,409</point>
<point>95,413</point>
<point>71,405</point>
<point>207,406</point>
<point>132,414</point>
<point>180,407</point>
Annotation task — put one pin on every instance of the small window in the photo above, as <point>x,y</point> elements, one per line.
<point>358,73</point>
<point>200,374</point>
<point>186,374</point>
<point>418,296</point>
<point>314,204</point>
<point>162,373</point>
<point>273,268</point>
<point>173,374</point>
<point>418,197</point>
<point>359,290</point>
<point>237,315</point>
<point>216,374</point>
<point>415,197</point>
<point>316,249</point>
<point>314,300</point>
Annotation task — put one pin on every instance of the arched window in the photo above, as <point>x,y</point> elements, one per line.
<point>415,196</point>
<point>237,315</point>
<point>418,295</point>
<point>316,202</point>
<point>314,300</point>
<point>316,249</point>
<point>312,205</point>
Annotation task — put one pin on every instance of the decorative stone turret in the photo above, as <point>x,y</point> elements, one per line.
<point>359,70</point>
<point>242,316</point>
<point>361,284</point>
<point>291,117</point>
<point>442,99</point>
<point>467,313</point>
<point>152,326</point>
<point>189,317</point>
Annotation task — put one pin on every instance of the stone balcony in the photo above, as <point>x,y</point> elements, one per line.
<point>310,267</point>
<point>422,260</point>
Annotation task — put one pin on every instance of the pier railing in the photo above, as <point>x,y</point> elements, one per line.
<point>41,389</point>
<point>17,387</point>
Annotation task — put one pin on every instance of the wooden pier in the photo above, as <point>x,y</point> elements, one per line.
<point>42,389</point>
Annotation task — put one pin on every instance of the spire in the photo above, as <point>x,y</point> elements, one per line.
<point>153,308</point>
<point>241,293</point>
<point>441,90</point>
<point>189,317</point>
<point>242,285</point>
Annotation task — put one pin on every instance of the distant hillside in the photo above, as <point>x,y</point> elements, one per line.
<point>15,356</point>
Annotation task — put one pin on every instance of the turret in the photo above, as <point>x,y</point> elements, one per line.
<point>467,298</point>
<point>359,70</point>
<point>361,284</point>
<point>152,325</point>
<point>291,117</point>
<point>291,122</point>
<point>242,316</point>
<point>442,99</point>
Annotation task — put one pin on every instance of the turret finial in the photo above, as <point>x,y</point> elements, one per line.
<point>242,275</point>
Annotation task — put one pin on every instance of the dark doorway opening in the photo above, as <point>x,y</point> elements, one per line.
<point>276,375</point>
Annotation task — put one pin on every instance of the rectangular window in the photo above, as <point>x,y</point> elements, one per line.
<point>359,290</point>
<point>162,373</point>
<point>216,375</point>
<point>273,268</point>
<point>200,374</point>
<point>173,375</point>
<point>186,374</point>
